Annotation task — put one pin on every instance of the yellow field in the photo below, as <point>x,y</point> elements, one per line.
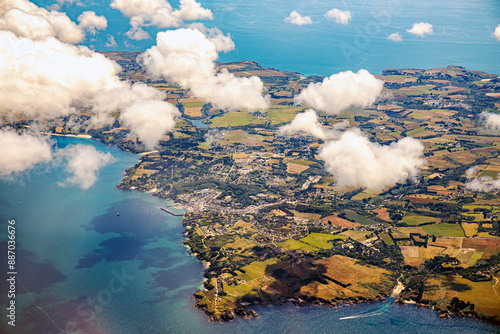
<point>366,281</point>
<point>239,243</point>
<point>356,235</point>
<point>470,229</point>
<point>296,245</point>
<point>193,111</point>
<point>244,225</point>
<point>484,295</point>
<point>310,216</point>
<point>294,168</point>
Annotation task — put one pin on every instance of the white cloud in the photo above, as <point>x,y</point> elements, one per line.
<point>492,121</point>
<point>306,122</point>
<point>111,43</point>
<point>396,37</point>
<point>83,162</point>
<point>25,19</point>
<point>355,161</point>
<point>421,29</point>
<point>48,78</point>
<point>340,16</point>
<point>158,13</point>
<point>150,120</point>
<point>223,43</point>
<point>496,33</point>
<point>187,57</point>
<point>297,19</point>
<point>90,22</point>
<point>340,91</point>
<point>190,10</point>
<point>21,152</point>
<point>61,3</point>
<point>481,184</point>
<point>137,33</point>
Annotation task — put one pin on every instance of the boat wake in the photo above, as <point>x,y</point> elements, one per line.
<point>365,315</point>
<point>380,311</point>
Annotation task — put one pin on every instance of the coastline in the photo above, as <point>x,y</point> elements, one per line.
<point>68,135</point>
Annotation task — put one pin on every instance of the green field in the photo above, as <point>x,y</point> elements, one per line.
<point>320,240</point>
<point>416,131</point>
<point>232,118</point>
<point>258,269</point>
<point>358,236</point>
<point>296,245</point>
<point>303,162</point>
<point>282,114</point>
<point>193,104</point>
<point>353,216</point>
<point>444,230</point>
<point>418,90</point>
<point>386,238</point>
<point>419,220</point>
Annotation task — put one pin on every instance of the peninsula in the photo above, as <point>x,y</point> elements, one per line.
<point>273,227</point>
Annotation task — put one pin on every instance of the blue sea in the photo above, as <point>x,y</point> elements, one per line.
<point>462,33</point>
<point>82,268</point>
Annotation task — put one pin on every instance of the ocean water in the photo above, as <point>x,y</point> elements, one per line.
<point>84,269</point>
<point>462,33</point>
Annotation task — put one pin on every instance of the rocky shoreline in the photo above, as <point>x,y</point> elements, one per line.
<point>244,312</point>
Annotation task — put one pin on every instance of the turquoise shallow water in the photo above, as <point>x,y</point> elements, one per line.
<point>84,269</point>
<point>462,33</point>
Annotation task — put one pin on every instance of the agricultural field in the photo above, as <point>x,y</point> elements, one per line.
<point>296,245</point>
<point>419,220</point>
<point>294,168</point>
<point>470,229</point>
<point>444,230</point>
<point>353,216</point>
<point>356,280</point>
<point>339,222</point>
<point>239,243</point>
<point>358,236</point>
<point>231,119</point>
<point>320,240</point>
<point>382,214</point>
<point>484,295</point>
<point>278,114</point>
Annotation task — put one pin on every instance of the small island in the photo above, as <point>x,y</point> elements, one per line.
<point>272,226</point>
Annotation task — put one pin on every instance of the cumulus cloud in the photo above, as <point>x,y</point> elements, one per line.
<point>491,121</point>
<point>355,161</point>
<point>306,122</point>
<point>395,37</point>
<point>48,78</point>
<point>187,57</point>
<point>421,29</point>
<point>190,10</point>
<point>111,43</point>
<point>340,16</point>
<point>340,91</point>
<point>481,184</point>
<point>158,13</point>
<point>26,19</point>
<point>21,152</point>
<point>83,162</point>
<point>223,43</point>
<point>297,19</point>
<point>496,33</point>
<point>150,120</point>
<point>90,22</point>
